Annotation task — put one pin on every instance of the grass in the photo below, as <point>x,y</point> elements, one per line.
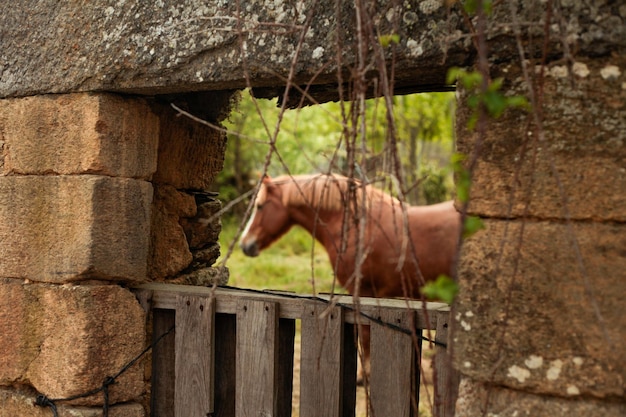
<point>294,263</point>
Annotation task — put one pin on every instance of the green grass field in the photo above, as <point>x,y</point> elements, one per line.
<point>294,263</point>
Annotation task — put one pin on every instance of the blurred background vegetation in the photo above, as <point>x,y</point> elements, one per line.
<point>310,140</point>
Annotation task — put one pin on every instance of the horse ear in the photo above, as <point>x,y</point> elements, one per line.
<point>268,183</point>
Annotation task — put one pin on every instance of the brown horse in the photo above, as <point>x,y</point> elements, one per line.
<point>394,239</point>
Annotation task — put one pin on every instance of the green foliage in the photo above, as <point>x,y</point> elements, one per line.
<point>485,94</point>
<point>312,139</point>
<point>463,178</point>
<point>473,6</point>
<point>305,141</point>
<point>435,185</point>
<point>443,288</point>
<point>386,40</point>
<point>472,225</point>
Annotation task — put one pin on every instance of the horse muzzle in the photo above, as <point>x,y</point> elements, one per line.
<point>250,249</point>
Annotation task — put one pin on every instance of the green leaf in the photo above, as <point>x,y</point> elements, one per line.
<point>386,40</point>
<point>454,74</point>
<point>463,185</point>
<point>470,6</point>
<point>443,288</point>
<point>495,103</point>
<point>472,101</point>
<point>472,80</point>
<point>518,101</point>
<point>463,180</point>
<point>488,7</point>
<point>472,225</point>
<point>457,159</point>
<point>472,121</point>
<point>496,84</point>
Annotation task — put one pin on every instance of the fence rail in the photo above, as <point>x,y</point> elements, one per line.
<point>231,353</point>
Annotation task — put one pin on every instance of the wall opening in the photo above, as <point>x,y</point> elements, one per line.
<point>405,152</point>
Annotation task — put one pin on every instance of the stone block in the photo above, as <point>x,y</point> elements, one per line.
<point>178,47</point>
<point>182,238</point>
<point>70,228</point>
<point>190,154</point>
<point>21,403</point>
<point>520,173</point>
<point>186,46</point>
<point>479,399</point>
<point>64,340</point>
<point>20,330</point>
<point>100,134</point>
<point>540,308</point>
<point>169,250</point>
<point>204,228</point>
<point>203,276</point>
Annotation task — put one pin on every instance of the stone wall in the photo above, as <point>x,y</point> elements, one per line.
<point>97,190</point>
<point>174,46</point>
<point>539,327</point>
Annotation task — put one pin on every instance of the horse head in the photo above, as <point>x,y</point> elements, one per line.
<point>269,220</point>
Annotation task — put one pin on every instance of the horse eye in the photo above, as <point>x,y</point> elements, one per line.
<point>259,206</point>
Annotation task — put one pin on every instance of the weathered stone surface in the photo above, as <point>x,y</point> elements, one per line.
<point>584,166</point>
<point>14,404</point>
<point>21,403</point>
<point>175,46</point>
<point>169,250</point>
<point>20,329</point>
<point>478,399</point>
<point>71,228</point>
<point>78,134</point>
<point>584,28</point>
<point>217,275</point>
<point>541,318</point>
<point>65,340</point>
<point>204,228</point>
<point>183,239</point>
<point>190,154</point>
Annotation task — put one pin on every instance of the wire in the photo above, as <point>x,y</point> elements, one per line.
<point>43,401</point>
<point>346,306</point>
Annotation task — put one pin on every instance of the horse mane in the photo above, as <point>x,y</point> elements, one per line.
<point>328,191</point>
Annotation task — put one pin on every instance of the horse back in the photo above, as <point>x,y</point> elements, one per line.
<point>435,232</point>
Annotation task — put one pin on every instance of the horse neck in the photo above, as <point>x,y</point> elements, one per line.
<point>324,226</point>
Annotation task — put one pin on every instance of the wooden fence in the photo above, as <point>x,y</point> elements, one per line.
<point>231,353</point>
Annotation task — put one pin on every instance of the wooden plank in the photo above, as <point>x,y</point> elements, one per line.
<point>164,297</point>
<point>394,371</point>
<point>257,356</point>
<point>321,361</point>
<point>225,364</point>
<point>446,377</point>
<point>194,355</point>
<point>162,395</point>
<point>145,299</point>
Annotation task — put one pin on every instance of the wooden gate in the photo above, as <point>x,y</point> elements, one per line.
<point>230,353</point>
